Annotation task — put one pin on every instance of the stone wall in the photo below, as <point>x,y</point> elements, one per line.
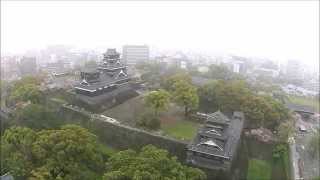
<point>123,137</point>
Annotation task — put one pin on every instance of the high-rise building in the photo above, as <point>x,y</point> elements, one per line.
<point>133,54</point>
<point>28,66</point>
<point>294,69</point>
<point>9,67</point>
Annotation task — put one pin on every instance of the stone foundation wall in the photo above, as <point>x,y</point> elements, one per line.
<point>123,137</point>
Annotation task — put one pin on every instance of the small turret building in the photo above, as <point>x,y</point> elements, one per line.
<point>216,143</point>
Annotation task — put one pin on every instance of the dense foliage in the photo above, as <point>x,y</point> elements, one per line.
<point>182,91</point>
<point>74,153</point>
<point>26,89</point>
<point>279,151</point>
<point>286,129</point>
<point>67,153</point>
<point>219,72</point>
<point>149,121</point>
<point>169,81</point>
<point>150,163</point>
<point>36,116</point>
<point>185,95</point>
<point>158,100</point>
<point>235,95</point>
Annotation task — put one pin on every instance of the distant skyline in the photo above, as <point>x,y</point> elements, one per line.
<point>276,30</point>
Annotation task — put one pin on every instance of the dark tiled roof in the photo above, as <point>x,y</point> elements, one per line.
<point>218,117</point>
<point>111,52</point>
<point>218,136</point>
<point>105,80</point>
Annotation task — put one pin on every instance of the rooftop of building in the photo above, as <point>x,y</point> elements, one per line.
<point>111,52</point>
<point>97,78</point>
<point>219,135</point>
<point>104,80</point>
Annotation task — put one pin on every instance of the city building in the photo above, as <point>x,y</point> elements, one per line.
<point>237,64</point>
<point>28,66</point>
<point>9,68</point>
<point>266,72</point>
<point>294,70</point>
<point>133,54</point>
<point>106,84</point>
<point>216,143</point>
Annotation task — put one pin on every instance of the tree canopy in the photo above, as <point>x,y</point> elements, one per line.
<point>37,117</point>
<point>74,153</point>
<point>185,95</point>
<point>225,95</point>
<point>169,82</point>
<point>150,163</point>
<point>67,153</point>
<point>158,100</point>
<point>26,89</point>
<point>285,130</point>
<point>235,95</point>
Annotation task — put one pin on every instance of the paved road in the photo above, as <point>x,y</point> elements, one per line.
<point>308,164</point>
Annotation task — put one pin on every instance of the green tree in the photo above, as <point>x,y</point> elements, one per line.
<point>148,120</point>
<point>226,96</point>
<point>158,100</point>
<point>16,151</point>
<point>185,95</point>
<point>253,108</point>
<point>207,97</point>
<point>230,95</point>
<point>27,89</point>
<point>67,153</point>
<point>219,72</point>
<point>264,111</point>
<point>275,112</point>
<point>37,117</point>
<point>168,83</point>
<point>286,130</point>
<point>235,95</point>
<point>27,92</point>
<point>150,163</point>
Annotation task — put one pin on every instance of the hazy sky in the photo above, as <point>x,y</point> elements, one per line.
<point>280,30</point>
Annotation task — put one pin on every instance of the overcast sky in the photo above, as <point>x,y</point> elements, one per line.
<point>279,30</point>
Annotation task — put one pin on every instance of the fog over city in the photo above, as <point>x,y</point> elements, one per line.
<point>275,30</point>
<point>160,90</point>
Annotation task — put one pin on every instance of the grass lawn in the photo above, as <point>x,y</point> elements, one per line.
<point>312,102</point>
<point>184,130</point>
<point>258,170</point>
<point>172,120</point>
